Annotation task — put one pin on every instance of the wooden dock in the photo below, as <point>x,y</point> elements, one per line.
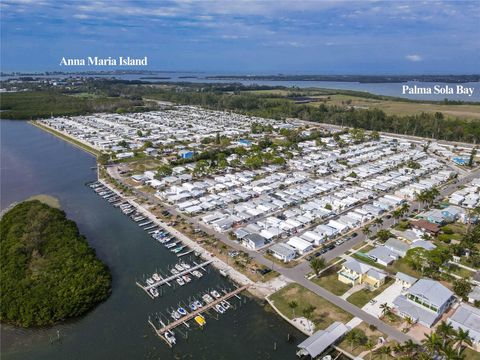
<point>183,320</point>
<point>173,277</point>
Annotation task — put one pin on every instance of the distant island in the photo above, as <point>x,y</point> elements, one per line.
<point>48,271</point>
<point>354,78</point>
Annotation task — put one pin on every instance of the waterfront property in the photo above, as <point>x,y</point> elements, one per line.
<point>424,302</point>
<point>322,340</point>
<point>354,272</point>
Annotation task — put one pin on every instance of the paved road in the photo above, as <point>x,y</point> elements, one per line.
<point>298,273</point>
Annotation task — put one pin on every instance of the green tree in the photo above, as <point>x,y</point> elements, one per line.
<point>462,288</point>
<point>317,264</point>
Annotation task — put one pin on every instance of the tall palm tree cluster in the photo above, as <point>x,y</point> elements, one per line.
<point>444,343</point>
<point>427,196</point>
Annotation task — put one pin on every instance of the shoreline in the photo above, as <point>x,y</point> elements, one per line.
<point>79,144</point>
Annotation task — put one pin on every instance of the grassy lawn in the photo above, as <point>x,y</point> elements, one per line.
<point>362,297</point>
<point>325,312</point>
<point>373,336</point>
<point>471,354</point>
<point>329,281</point>
<point>402,266</point>
<point>392,107</point>
<point>367,260</point>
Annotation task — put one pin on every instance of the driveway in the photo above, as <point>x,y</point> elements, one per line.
<point>387,296</point>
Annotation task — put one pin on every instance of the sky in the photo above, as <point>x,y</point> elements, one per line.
<point>247,37</point>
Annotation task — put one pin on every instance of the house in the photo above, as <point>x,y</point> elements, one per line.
<point>322,340</point>
<point>453,212</point>
<point>397,246</point>
<point>382,255</point>
<point>253,241</point>
<point>185,154</point>
<point>467,317</point>
<point>354,272</point>
<point>424,302</point>
<point>282,252</point>
<point>427,245</point>
<point>425,226</point>
<point>474,295</point>
<point>302,246</point>
<point>405,280</point>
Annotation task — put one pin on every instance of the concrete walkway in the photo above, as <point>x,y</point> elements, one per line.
<point>352,290</point>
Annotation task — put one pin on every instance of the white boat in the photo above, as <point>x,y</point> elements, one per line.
<point>179,267</point>
<point>193,306</point>
<point>327,357</point>
<point>180,281</point>
<point>170,337</point>
<point>198,304</point>
<point>175,315</point>
<point>156,277</point>
<point>207,298</point>
<point>185,265</point>
<point>219,308</point>
<point>225,304</point>
<point>186,278</point>
<point>197,273</point>
<point>174,271</point>
<point>150,281</point>
<point>215,293</point>
<point>154,292</point>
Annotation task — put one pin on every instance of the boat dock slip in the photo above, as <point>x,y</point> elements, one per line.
<point>184,253</point>
<point>173,277</point>
<point>191,315</point>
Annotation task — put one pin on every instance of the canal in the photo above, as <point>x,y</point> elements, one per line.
<point>35,162</point>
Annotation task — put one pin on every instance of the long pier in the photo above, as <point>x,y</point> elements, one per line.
<point>173,277</point>
<point>160,332</point>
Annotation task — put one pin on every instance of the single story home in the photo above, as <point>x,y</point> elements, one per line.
<point>322,340</point>
<point>282,252</point>
<point>254,241</point>
<point>467,317</point>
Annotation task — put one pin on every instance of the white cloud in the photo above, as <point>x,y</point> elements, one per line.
<point>414,57</point>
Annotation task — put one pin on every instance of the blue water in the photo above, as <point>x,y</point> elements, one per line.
<point>35,162</point>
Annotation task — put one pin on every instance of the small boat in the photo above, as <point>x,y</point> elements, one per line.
<point>170,245</point>
<point>219,308</point>
<point>174,271</point>
<point>185,265</point>
<point>207,298</point>
<point>225,304</point>
<point>154,292</point>
<point>327,357</point>
<point>215,293</point>
<point>186,278</point>
<point>198,304</point>
<point>197,274</point>
<point>170,337</point>
<point>182,311</point>
<point>193,306</point>
<point>150,281</point>
<point>178,249</point>
<point>200,320</point>
<point>180,281</point>
<point>156,277</point>
<point>179,267</point>
<point>175,315</point>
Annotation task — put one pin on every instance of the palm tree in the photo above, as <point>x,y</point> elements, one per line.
<point>384,350</point>
<point>317,264</point>
<point>449,353</point>
<point>293,305</point>
<point>462,337</point>
<point>369,346</point>
<point>378,221</point>
<point>405,208</point>
<point>386,310</point>
<point>409,321</point>
<point>398,349</point>
<point>397,214</point>
<point>366,230</point>
<point>431,343</point>
<point>410,348</point>
<point>445,331</point>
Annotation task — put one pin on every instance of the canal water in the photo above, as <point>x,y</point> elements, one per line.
<point>34,162</point>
